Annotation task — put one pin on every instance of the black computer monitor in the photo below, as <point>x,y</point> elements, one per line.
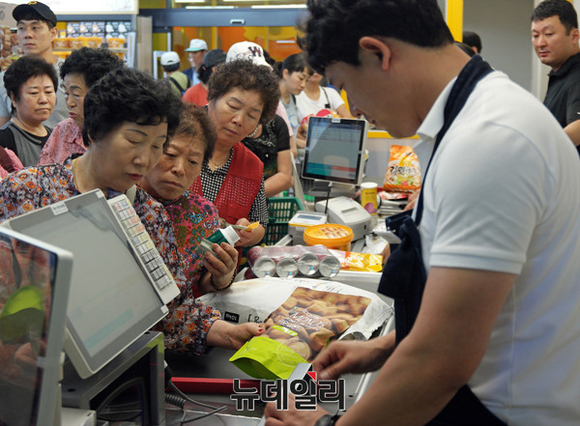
<point>335,150</point>
<point>34,289</point>
<point>115,292</point>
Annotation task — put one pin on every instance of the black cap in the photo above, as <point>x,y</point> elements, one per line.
<point>34,8</point>
<point>213,58</point>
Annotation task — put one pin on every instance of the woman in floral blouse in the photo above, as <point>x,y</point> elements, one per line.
<point>194,218</point>
<point>81,69</point>
<point>128,119</point>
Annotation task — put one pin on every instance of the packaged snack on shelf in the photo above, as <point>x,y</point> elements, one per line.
<point>403,172</point>
<point>116,42</point>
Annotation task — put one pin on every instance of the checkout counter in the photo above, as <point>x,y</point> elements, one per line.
<point>194,375</point>
<point>209,378</point>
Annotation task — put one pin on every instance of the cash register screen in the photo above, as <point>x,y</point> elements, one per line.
<point>112,301</point>
<point>335,150</point>
<point>34,289</point>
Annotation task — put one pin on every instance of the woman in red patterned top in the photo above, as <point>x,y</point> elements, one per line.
<point>242,95</point>
<point>128,119</point>
<point>194,218</point>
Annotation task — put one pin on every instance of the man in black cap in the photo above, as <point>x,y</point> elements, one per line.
<point>36,30</point>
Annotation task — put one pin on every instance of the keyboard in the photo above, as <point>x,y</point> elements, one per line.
<point>144,248</point>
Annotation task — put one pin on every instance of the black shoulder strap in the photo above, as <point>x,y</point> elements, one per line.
<point>466,81</point>
<point>177,84</point>
<point>327,105</point>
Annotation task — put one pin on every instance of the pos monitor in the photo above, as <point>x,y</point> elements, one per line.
<point>335,150</point>
<point>34,290</point>
<point>120,284</point>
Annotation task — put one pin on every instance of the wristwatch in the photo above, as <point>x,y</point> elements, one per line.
<point>327,420</point>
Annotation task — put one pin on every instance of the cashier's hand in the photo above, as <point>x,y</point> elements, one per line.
<point>229,336</point>
<point>249,237</point>
<point>386,253</point>
<point>353,356</point>
<point>412,200</point>
<point>291,417</point>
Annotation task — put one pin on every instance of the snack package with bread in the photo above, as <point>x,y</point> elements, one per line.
<point>304,323</point>
<point>297,331</point>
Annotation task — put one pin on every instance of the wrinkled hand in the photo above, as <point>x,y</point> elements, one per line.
<point>357,357</point>
<point>229,336</point>
<point>249,237</point>
<point>291,417</point>
<point>221,264</point>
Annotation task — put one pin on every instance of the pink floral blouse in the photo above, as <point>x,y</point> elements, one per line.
<point>65,139</point>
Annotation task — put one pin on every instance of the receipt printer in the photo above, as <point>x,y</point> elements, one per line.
<point>346,211</point>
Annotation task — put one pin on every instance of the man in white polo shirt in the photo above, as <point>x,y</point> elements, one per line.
<point>490,257</point>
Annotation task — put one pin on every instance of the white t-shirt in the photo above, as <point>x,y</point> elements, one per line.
<point>329,99</point>
<point>60,111</point>
<point>503,194</point>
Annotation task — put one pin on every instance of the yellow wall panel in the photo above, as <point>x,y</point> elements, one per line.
<point>455,18</point>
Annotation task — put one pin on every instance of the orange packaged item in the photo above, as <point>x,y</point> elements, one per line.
<point>403,173</point>
<point>362,262</point>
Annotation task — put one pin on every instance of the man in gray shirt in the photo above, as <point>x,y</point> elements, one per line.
<point>36,30</point>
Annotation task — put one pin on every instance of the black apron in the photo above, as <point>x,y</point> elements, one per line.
<point>404,275</point>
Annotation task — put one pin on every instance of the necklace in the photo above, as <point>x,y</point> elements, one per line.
<point>251,135</point>
<point>218,165</point>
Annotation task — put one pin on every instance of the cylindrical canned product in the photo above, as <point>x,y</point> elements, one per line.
<point>329,266</point>
<point>287,268</point>
<point>262,265</point>
<point>308,264</point>
<point>368,197</point>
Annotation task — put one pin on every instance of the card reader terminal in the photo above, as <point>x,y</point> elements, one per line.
<point>302,220</point>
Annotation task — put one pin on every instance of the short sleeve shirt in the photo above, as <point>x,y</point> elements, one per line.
<point>274,139</point>
<point>563,95</point>
<point>66,139</point>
